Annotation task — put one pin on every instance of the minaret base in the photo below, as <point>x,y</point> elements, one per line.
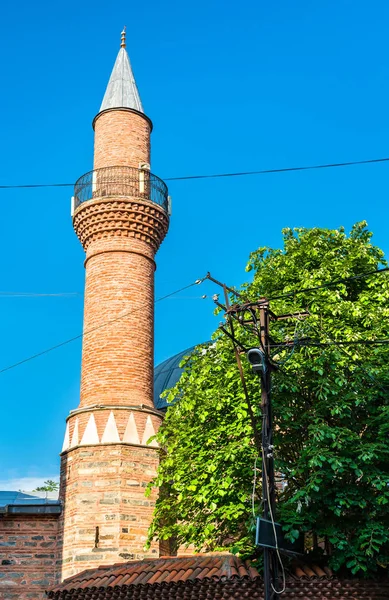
<point>105,509</point>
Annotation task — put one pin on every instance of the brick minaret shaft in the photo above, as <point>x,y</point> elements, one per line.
<point>120,218</point>
<point>120,243</point>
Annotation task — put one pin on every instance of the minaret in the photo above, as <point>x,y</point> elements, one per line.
<point>120,215</point>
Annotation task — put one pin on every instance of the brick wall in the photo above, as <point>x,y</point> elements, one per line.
<point>117,359</point>
<point>122,138</point>
<point>27,556</point>
<point>120,237</point>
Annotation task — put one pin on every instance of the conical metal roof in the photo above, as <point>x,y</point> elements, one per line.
<point>121,91</point>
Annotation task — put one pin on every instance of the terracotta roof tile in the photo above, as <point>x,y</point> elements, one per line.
<point>151,572</point>
<point>310,572</point>
<point>199,577</point>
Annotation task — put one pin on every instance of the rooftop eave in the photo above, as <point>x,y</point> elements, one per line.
<point>31,509</point>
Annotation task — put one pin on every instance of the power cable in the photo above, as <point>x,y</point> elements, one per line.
<point>341,344</point>
<point>254,489</point>
<point>370,376</point>
<point>81,335</point>
<point>292,293</point>
<point>219,175</point>
<point>367,274</point>
<point>303,344</point>
<point>282,170</point>
<point>274,530</point>
<point>329,284</point>
<point>311,289</point>
<point>37,295</point>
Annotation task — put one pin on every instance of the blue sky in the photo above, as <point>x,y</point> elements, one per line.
<point>230,87</point>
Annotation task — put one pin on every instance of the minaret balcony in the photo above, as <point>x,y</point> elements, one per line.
<point>121,181</point>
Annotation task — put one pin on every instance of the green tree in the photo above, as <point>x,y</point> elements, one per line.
<point>330,407</point>
<point>48,486</point>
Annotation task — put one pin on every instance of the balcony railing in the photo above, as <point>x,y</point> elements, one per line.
<point>121,181</point>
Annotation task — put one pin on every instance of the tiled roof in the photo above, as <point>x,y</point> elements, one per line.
<point>167,570</point>
<point>308,572</point>
<point>190,578</point>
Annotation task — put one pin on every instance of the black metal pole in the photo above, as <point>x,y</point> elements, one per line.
<point>268,487</point>
<point>257,436</point>
<point>264,442</point>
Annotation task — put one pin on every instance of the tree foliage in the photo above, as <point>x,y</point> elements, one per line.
<point>48,486</point>
<point>330,407</point>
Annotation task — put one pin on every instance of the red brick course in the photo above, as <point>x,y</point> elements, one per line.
<point>122,137</point>
<point>117,223</point>
<point>28,553</point>
<point>117,360</point>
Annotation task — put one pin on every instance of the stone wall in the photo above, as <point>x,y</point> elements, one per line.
<point>106,514</point>
<point>27,556</point>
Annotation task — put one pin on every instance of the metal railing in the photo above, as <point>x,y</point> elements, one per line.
<point>121,181</point>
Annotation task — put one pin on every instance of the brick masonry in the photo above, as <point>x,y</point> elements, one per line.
<point>122,138</point>
<point>104,486</point>
<point>28,547</point>
<point>117,357</point>
<point>106,463</point>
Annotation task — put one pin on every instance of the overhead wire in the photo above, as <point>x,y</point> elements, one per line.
<point>221,175</point>
<point>359,365</point>
<point>274,530</point>
<point>288,294</point>
<point>254,489</point>
<point>81,335</point>
<point>38,295</point>
<point>329,284</point>
<point>314,288</point>
<point>341,344</point>
<point>333,343</point>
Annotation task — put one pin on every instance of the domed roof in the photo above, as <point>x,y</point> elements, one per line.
<point>166,375</point>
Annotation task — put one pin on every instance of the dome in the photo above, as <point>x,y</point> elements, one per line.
<point>166,375</point>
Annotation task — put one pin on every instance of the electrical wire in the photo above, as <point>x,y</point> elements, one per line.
<point>334,343</point>
<point>220,175</point>
<point>341,344</point>
<point>254,488</point>
<point>329,284</point>
<point>36,295</point>
<point>282,170</point>
<point>295,342</point>
<point>292,293</point>
<point>318,287</point>
<point>359,276</point>
<point>369,375</point>
<point>274,530</point>
<point>81,335</point>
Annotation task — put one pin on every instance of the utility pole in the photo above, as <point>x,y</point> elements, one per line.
<point>268,485</point>
<point>255,317</point>
<point>259,358</point>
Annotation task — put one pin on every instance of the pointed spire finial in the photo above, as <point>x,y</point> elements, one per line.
<point>123,42</point>
<point>121,91</point>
